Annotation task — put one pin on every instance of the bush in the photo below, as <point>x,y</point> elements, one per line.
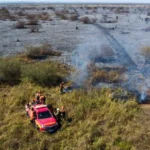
<point>104,76</point>
<point>146,51</point>
<point>10,71</point>
<point>85,20</point>
<point>44,74</point>
<point>4,14</point>
<point>41,52</point>
<point>32,22</point>
<point>73,17</point>
<point>13,18</point>
<point>62,14</point>
<point>20,13</point>
<point>20,25</point>
<point>31,16</point>
<point>44,17</point>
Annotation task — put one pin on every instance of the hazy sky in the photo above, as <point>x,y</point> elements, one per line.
<point>83,1</point>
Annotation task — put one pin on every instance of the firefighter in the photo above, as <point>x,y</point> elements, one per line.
<point>62,113</point>
<point>62,88</point>
<point>37,97</point>
<point>42,99</point>
<point>33,101</point>
<point>57,114</point>
<point>32,115</point>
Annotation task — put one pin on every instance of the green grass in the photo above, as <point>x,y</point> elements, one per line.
<point>44,74</point>
<point>15,70</point>
<point>98,121</point>
<point>10,71</point>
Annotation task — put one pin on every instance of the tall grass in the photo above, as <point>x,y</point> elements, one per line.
<point>10,71</point>
<point>97,121</point>
<point>44,74</point>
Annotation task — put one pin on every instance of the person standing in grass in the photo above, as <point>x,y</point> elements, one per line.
<point>62,113</point>
<point>37,97</point>
<point>62,88</point>
<point>32,115</point>
<point>42,99</point>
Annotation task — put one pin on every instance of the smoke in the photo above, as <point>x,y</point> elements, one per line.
<point>144,90</point>
<point>92,49</point>
<point>82,57</point>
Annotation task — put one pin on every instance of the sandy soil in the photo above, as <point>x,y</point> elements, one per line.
<point>63,35</point>
<point>122,28</point>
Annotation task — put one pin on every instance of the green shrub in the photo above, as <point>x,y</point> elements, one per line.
<point>10,71</point>
<point>97,121</point>
<point>44,74</point>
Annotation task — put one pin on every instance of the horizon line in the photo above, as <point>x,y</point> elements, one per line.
<point>26,2</point>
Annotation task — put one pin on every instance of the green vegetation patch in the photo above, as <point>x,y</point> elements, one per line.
<point>45,74</point>
<point>97,121</point>
<point>10,71</point>
<point>14,70</point>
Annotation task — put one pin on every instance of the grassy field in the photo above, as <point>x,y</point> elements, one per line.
<point>98,122</point>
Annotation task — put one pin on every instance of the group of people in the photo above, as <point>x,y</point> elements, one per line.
<point>39,98</point>
<point>59,114</point>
